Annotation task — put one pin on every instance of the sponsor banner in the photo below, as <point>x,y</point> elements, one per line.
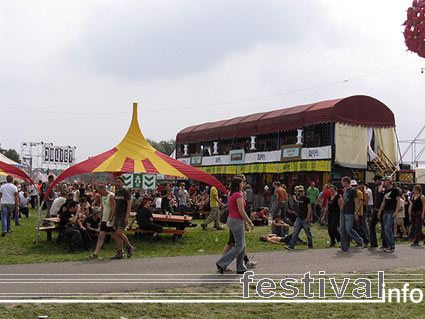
<point>196,159</point>
<point>236,157</point>
<point>215,160</point>
<point>128,179</point>
<point>185,160</point>
<point>286,167</point>
<point>262,157</point>
<point>58,154</point>
<point>316,153</point>
<point>149,181</point>
<point>291,152</point>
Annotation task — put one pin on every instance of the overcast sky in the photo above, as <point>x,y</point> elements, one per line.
<point>93,59</point>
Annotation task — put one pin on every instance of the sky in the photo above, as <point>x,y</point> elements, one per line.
<point>70,70</point>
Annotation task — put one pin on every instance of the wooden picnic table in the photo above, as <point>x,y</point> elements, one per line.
<point>172,221</point>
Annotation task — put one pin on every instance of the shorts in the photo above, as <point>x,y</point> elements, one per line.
<point>105,228</point>
<point>231,240</point>
<point>399,221</point>
<point>119,223</point>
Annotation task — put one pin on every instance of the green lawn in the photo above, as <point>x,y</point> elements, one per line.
<point>19,247</point>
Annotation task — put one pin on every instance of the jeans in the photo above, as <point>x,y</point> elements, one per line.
<point>280,231</point>
<point>49,205</point>
<point>6,216</point>
<point>237,227</point>
<point>363,222</point>
<point>372,230</point>
<point>280,209</point>
<point>389,228</point>
<point>301,224</point>
<point>346,222</point>
<point>362,229</point>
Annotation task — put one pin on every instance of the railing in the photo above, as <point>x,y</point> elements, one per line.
<point>384,164</point>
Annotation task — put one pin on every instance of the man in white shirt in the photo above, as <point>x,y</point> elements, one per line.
<point>9,203</point>
<point>58,203</point>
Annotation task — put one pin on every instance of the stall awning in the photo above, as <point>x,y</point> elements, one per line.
<point>356,110</point>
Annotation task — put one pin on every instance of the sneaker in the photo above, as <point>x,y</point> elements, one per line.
<point>204,227</point>
<point>3,234</point>
<point>359,246</point>
<point>382,247</point>
<point>220,228</point>
<point>119,255</point>
<point>373,247</point>
<point>130,251</point>
<point>220,269</point>
<point>251,264</point>
<point>389,250</point>
<point>289,248</point>
<point>342,251</point>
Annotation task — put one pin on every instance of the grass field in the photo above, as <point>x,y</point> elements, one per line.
<point>19,247</point>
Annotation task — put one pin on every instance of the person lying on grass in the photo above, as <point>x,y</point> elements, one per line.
<point>274,239</point>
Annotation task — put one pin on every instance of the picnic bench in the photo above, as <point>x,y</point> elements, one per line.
<point>173,224</point>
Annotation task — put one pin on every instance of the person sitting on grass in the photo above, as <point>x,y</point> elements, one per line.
<point>274,239</point>
<point>279,227</point>
<point>261,217</point>
<point>145,219</point>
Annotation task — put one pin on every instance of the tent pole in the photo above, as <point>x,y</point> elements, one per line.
<point>39,207</point>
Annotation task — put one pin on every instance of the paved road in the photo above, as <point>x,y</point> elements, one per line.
<point>144,274</point>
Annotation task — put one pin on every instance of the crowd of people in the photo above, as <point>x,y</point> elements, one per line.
<point>351,211</point>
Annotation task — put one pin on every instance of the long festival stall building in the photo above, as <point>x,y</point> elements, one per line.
<point>353,136</point>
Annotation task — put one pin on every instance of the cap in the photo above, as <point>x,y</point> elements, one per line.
<point>266,188</point>
<point>377,177</point>
<point>353,182</point>
<point>144,202</point>
<point>388,178</point>
<point>300,188</point>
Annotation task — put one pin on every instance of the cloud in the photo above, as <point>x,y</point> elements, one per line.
<point>144,41</point>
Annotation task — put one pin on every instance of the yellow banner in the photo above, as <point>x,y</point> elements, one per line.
<point>283,167</point>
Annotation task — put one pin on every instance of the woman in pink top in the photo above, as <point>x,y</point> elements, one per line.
<point>237,221</point>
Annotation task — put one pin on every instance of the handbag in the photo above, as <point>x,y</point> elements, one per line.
<point>224,213</point>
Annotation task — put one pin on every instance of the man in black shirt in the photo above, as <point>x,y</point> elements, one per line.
<point>145,220</point>
<point>70,225</point>
<point>303,220</point>
<point>92,222</point>
<point>349,214</point>
<point>378,197</point>
<point>165,195</point>
<point>121,215</point>
<point>388,211</point>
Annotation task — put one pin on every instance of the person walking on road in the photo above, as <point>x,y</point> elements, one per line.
<point>237,221</point>
<point>121,215</point>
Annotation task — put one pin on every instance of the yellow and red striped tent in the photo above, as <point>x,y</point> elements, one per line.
<point>135,154</point>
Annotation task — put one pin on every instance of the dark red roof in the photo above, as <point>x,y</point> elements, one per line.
<point>357,110</point>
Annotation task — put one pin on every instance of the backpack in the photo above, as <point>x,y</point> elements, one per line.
<point>224,213</point>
